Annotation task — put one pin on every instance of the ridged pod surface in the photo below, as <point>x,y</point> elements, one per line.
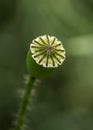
<point>46,53</point>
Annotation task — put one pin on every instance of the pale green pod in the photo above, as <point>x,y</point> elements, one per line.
<point>46,53</point>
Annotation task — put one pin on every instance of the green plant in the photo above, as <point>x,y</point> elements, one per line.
<point>46,53</point>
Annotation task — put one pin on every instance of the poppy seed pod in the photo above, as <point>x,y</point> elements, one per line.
<point>46,53</point>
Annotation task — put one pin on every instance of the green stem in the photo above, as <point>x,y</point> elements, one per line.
<point>24,105</point>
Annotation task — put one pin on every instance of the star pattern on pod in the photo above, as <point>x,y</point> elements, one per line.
<point>47,51</point>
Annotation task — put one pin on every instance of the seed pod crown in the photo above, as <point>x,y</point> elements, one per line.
<point>47,51</point>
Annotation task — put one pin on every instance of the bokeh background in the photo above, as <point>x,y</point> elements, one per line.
<point>64,100</point>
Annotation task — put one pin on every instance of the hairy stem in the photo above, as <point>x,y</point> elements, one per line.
<point>24,105</point>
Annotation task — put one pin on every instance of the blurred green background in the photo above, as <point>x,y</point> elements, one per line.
<point>63,101</point>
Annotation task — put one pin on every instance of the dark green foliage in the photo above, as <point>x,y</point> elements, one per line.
<point>65,99</point>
